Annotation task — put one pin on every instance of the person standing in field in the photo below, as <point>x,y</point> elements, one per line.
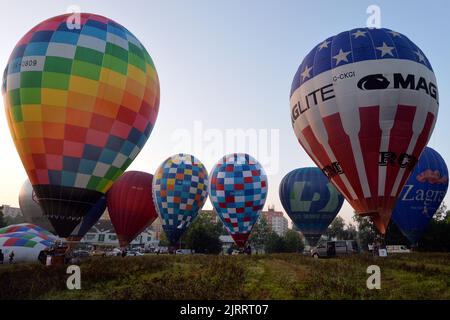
<point>11,257</point>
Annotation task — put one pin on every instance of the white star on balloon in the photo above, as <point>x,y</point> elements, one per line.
<point>420,55</point>
<point>359,33</point>
<point>324,44</point>
<point>385,49</point>
<point>305,74</point>
<point>341,56</point>
<point>395,34</point>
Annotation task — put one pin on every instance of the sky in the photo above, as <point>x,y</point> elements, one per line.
<point>226,67</point>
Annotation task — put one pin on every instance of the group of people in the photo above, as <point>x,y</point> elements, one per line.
<point>2,257</point>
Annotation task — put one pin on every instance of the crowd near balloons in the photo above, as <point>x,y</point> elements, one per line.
<point>82,102</point>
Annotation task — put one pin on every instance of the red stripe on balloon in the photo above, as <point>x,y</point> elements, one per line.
<point>322,156</point>
<point>370,141</point>
<point>400,138</point>
<point>340,143</point>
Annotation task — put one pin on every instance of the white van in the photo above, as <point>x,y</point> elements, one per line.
<point>328,249</point>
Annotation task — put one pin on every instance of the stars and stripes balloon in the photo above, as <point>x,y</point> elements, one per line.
<point>238,191</point>
<point>310,200</point>
<point>363,106</point>
<point>422,195</point>
<point>130,205</point>
<point>81,100</point>
<point>180,189</point>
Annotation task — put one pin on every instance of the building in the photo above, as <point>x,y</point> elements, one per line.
<point>276,221</point>
<point>103,234</point>
<point>10,212</point>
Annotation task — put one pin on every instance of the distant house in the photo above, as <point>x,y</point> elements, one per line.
<point>276,221</point>
<point>103,234</point>
<point>11,212</point>
<point>227,242</point>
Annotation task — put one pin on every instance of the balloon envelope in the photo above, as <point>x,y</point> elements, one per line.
<point>30,208</point>
<point>363,106</point>
<point>238,191</point>
<point>89,220</point>
<point>179,191</point>
<point>81,100</point>
<point>310,200</point>
<point>130,205</point>
<point>27,228</point>
<point>422,195</point>
<point>26,246</point>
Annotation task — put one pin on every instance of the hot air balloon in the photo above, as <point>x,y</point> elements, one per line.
<point>81,100</point>
<point>311,201</point>
<point>130,205</point>
<point>89,220</point>
<point>422,195</point>
<point>363,106</point>
<point>30,208</point>
<point>28,228</point>
<point>25,246</point>
<point>179,191</point>
<point>238,190</point>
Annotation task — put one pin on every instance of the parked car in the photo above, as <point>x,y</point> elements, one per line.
<point>328,249</point>
<point>81,254</point>
<point>114,252</point>
<point>183,251</point>
<point>98,253</point>
<point>134,253</point>
<point>162,250</point>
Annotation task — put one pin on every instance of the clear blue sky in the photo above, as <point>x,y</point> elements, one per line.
<point>229,64</point>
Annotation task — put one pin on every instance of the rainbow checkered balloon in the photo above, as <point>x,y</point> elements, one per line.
<point>238,191</point>
<point>81,100</point>
<point>179,191</point>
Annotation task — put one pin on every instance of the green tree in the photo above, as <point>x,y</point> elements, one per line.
<point>203,235</point>
<point>436,236</point>
<point>293,242</point>
<point>367,232</point>
<point>259,234</point>
<point>2,219</point>
<point>163,241</point>
<point>274,243</point>
<point>337,229</point>
<point>440,212</point>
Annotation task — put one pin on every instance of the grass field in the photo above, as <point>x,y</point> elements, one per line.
<point>276,276</point>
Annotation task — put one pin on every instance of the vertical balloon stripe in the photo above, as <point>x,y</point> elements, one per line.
<point>401,134</point>
<point>321,154</point>
<point>342,149</point>
<point>370,141</point>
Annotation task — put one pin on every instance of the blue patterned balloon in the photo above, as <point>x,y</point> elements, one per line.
<point>310,200</point>
<point>179,191</point>
<point>422,195</point>
<point>238,191</point>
